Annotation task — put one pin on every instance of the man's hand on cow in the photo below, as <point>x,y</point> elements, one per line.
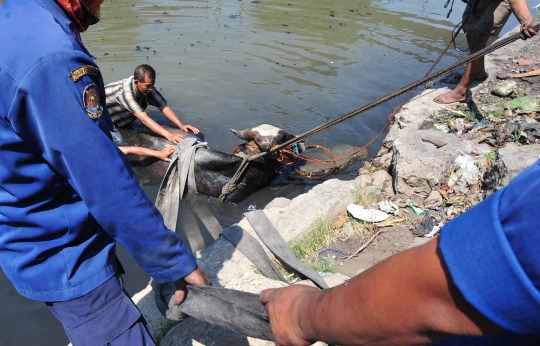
<point>166,152</point>
<point>197,277</point>
<point>527,30</point>
<point>285,309</point>
<point>187,128</point>
<point>174,137</point>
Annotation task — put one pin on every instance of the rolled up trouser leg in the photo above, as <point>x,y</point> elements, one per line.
<point>233,310</point>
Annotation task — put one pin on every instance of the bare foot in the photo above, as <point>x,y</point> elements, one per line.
<point>450,97</point>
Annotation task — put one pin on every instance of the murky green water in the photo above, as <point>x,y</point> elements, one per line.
<point>237,64</point>
<point>296,64</point>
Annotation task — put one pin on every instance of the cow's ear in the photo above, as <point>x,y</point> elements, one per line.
<point>244,134</point>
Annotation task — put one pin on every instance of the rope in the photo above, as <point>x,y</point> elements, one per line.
<point>459,26</point>
<point>230,186</point>
<point>451,7</point>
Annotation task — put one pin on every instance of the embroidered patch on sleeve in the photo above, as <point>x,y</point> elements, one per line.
<point>91,103</point>
<point>79,72</point>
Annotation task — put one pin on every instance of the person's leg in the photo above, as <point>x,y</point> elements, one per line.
<point>101,316</point>
<point>487,18</point>
<point>137,334</point>
<point>475,69</point>
<point>491,24</point>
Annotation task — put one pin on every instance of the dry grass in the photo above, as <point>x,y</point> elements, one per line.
<point>324,233</point>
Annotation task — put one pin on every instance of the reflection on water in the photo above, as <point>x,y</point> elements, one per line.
<point>237,64</point>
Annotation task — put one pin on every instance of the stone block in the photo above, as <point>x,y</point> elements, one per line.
<point>418,165</point>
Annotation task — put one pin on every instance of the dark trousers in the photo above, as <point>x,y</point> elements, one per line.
<point>105,316</point>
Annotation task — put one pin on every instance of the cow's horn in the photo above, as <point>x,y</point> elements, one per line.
<point>244,134</point>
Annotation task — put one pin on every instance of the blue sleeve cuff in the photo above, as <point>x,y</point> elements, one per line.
<point>186,264</point>
<point>485,269</point>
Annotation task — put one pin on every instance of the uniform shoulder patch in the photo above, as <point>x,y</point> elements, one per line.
<point>79,72</point>
<point>91,102</point>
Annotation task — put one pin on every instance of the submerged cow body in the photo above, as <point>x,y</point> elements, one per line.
<point>213,169</point>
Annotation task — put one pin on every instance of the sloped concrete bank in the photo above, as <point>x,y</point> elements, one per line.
<point>227,267</point>
<point>439,158</point>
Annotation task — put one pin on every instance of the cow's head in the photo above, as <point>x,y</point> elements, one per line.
<point>265,137</point>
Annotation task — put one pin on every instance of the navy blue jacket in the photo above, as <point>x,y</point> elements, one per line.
<point>66,191</point>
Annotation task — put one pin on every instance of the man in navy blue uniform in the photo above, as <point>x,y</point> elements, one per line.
<point>66,192</point>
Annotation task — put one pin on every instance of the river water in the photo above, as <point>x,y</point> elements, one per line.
<point>238,64</point>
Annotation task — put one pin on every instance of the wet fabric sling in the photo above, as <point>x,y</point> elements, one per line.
<point>234,310</point>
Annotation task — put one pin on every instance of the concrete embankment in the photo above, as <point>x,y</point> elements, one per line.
<point>442,159</point>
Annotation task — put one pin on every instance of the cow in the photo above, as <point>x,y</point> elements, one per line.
<point>213,169</point>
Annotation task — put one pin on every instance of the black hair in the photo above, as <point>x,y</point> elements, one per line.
<point>143,71</point>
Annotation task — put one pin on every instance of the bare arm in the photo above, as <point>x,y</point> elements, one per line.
<point>157,128</point>
<point>163,154</point>
<point>407,299</point>
<point>169,114</point>
<point>523,14</point>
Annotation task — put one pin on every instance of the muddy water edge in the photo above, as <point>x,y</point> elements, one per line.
<point>238,64</point>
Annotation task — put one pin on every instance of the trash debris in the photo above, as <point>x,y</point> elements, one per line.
<point>466,173</point>
<point>343,254</point>
<point>457,124</point>
<point>434,231</point>
<point>425,226</point>
<point>369,215</point>
<point>504,88</point>
<point>481,124</point>
<point>389,222</point>
<point>416,210</point>
<point>525,104</point>
<point>436,142</point>
<point>389,207</point>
